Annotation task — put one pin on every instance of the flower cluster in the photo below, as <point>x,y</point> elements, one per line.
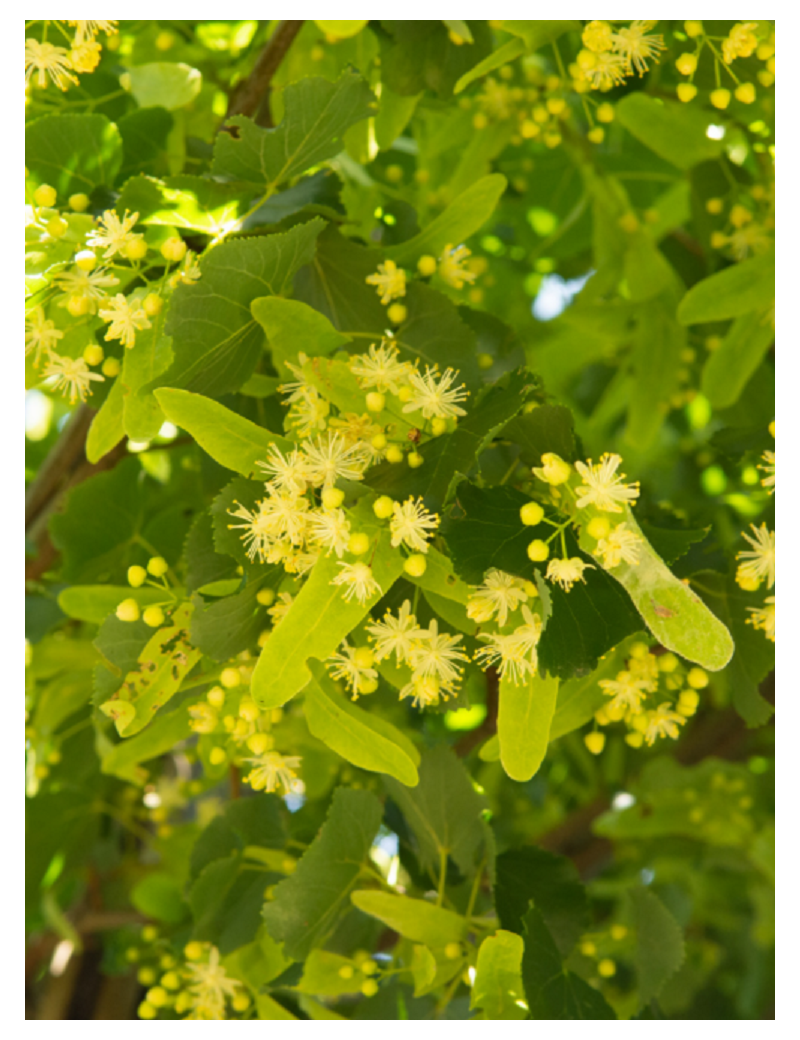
<point>741,42</point>
<point>46,62</point>
<point>75,266</point>
<point>757,565</point>
<point>652,696</point>
<point>195,987</point>
<point>611,55</point>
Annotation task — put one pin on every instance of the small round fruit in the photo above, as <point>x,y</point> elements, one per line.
<point>332,497</point>
<point>45,195</point>
<point>720,98</point>
<point>216,696</point>
<point>686,64</point>
<point>383,507</point>
<point>153,617</point>
<point>136,576</point>
<point>538,551</point>
<point>415,460</point>
<point>686,92</point>
<point>746,93</point>
<point>531,514</point>
<point>379,441</point>
<point>157,566</point>
<point>230,677</point>
<point>415,565</point>
<point>697,679</point>
<point>174,249</point>
<point>369,987</point>
<point>93,354</point>
<point>397,313</point>
<point>79,203</point>
<point>136,249</point>
<point>426,265</point>
<point>375,402</point>
<point>394,454</point>
<point>438,426</point>
<point>152,304</point>
<point>128,610</point>
<point>358,544</point>
<point>595,742</point>
<point>111,367</point>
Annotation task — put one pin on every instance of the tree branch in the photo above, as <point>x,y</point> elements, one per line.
<point>251,96</point>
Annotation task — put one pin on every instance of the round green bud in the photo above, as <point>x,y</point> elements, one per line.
<point>157,566</point>
<point>393,454</point>
<point>415,460</point>
<point>153,617</point>
<point>146,976</point>
<point>531,514</point>
<point>397,313</point>
<point>379,441</point>
<point>369,987</point>
<point>363,657</point>
<point>174,249</point>
<point>667,663</point>
<point>383,507</point>
<point>146,1010</point>
<point>128,610</point>
<point>332,497</point>
<point>697,679</point>
<point>230,677</point>
<point>346,971</point>
<point>426,265</point>
<point>152,304</point>
<point>171,980</point>
<point>358,544</point>
<point>78,305</point>
<point>56,227</point>
<point>375,402</point>
<point>452,951</point>
<point>216,696</point>
<point>93,354</point>
<point>79,202</point>
<point>538,551</point>
<point>415,565</point>
<point>404,394</point>
<point>598,527</point>
<point>595,742</point>
<point>111,367</point>
<point>241,1002</point>
<point>260,743</point>
<point>367,686</point>
<point>217,757</point>
<point>136,249</point>
<point>136,576</point>
<point>157,996</point>
<point>193,951</point>
<point>45,195</point>
<point>438,426</point>
<point>607,968</point>
<point>485,361</point>
<point>266,597</point>
<point>248,710</point>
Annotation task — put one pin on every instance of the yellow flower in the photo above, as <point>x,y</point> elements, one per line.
<point>627,693</point>
<point>287,472</point>
<point>764,617</point>
<point>620,544</point>
<point>390,281</point>
<point>452,269</point>
<point>411,524</point>
<point>330,528</point>
<point>435,399</point>
<point>330,457</point>
<point>602,487</point>
<point>636,46</point>
<point>598,37</point>
<point>85,57</point>
<point>767,465</point>
<point>41,335</point>
<point>45,60</point>
<point>125,317</point>
<point>760,560</point>
<point>608,71</point>
<point>354,665</point>
<point>71,374</point>
<point>662,722</point>
<point>500,593</point>
<point>359,581</point>
<point>88,30</point>
<point>380,368</point>
<point>271,771</point>
<point>208,987</point>
<point>554,470</point>
<point>435,654</point>
<point>114,234</point>
<point>741,42</point>
<point>395,635</point>
<point>567,572</point>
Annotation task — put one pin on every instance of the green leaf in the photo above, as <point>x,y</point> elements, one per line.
<point>360,737</point>
<point>230,439</point>
<point>335,284</point>
<point>232,624</point>
<point>465,215</point>
<point>656,360</point>
<point>436,334</point>
<point>393,116</point>
<point>415,919</point>
<point>452,456</point>
<point>537,33</point>
<point>101,519</point>
<point>728,370</point>
<point>142,417</point>
<point>586,622</point>
<point>647,271</point>
<point>145,133</point>
<point>107,428</point>
<point>523,724</point>
<point>254,822</point>
<point>444,812</point>
<point>659,943</point>
<point>533,875</point>
<point>170,84</point>
<point>547,428</point>
<point>158,895</point>
<point>508,52</point>
<point>321,975</point>
<point>497,987</point>
<point>204,564</point>
<point>731,293</point>
<point>675,131</point>
<point>308,904</point>
<point>754,654</point>
<point>95,602</point>
<point>675,615</point>
<point>160,737</point>
<point>73,153</point>
<point>319,619</point>
<point>418,54</point>
<point>317,113</point>
<point>191,203</point>
<point>290,323</point>
<point>552,992</point>
<point>216,340</point>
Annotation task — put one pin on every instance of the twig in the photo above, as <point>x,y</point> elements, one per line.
<point>58,465</point>
<point>251,96</point>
